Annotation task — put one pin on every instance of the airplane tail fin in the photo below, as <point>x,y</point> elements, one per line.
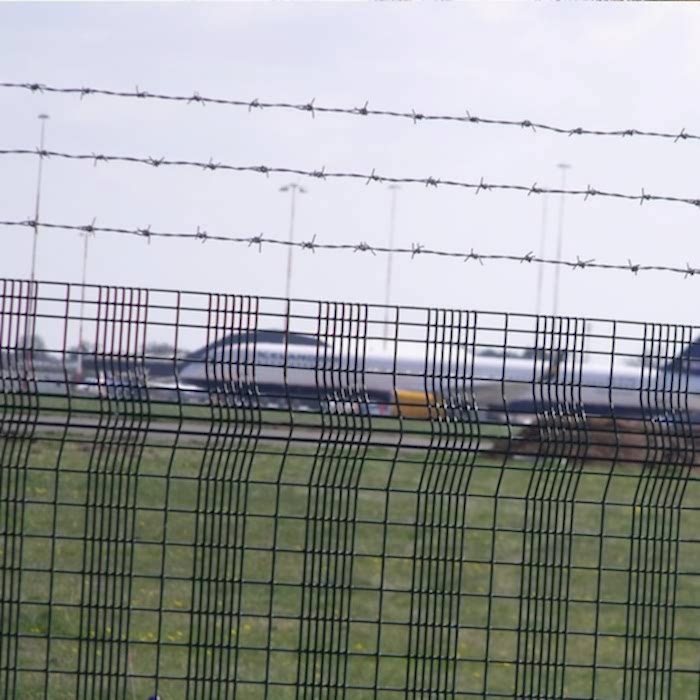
<point>557,366</point>
<point>688,360</point>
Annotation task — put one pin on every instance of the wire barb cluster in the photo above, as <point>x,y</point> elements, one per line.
<point>373,176</point>
<point>313,244</point>
<point>312,108</point>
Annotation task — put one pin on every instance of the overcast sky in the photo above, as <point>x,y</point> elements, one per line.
<point>605,66</point>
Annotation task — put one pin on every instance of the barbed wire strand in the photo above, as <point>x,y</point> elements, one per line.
<point>312,245</point>
<point>368,178</point>
<point>365,111</point>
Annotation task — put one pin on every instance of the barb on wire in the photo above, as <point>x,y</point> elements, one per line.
<point>473,256</point>
<point>309,245</point>
<point>89,229</point>
<point>583,264</point>
<point>413,115</point>
<point>363,247</point>
<point>322,174</point>
<point>416,249</point>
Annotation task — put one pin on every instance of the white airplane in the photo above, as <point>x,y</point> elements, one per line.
<point>269,368</point>
<point>302,371</point>
<point>656,389</point>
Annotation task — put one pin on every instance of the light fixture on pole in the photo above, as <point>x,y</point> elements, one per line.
<point>389,261</point>
<point>560,235</point>
<point>292,187</point>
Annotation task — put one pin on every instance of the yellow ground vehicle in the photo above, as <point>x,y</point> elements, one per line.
<point>418,404</point>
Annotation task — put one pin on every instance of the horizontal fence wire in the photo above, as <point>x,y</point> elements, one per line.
<point>212,495</point>
<point>367,178</point>
<point>365,111</point>
<point>313,244</point>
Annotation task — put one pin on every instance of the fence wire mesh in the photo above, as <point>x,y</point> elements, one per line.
<point>213,495</point>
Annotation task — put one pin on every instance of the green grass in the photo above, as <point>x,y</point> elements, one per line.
<point>176,560</point>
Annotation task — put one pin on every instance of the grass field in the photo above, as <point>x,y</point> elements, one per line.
<point>230,567</point>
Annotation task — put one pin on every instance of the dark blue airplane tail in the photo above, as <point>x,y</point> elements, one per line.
<point>688,360</point>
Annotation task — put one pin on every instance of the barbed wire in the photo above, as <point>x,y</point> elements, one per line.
<point>313,244</point>
<point>365,111</point>
<point>368,178</point>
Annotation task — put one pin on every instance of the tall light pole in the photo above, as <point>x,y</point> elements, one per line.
<point>389,261</point>
<point>541,253</point>
<point>86,235</point>
<point>292,187</point>
<point>43,118</point>
<point>560,236</point>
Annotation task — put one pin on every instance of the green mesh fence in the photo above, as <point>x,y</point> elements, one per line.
<point>218,496</point>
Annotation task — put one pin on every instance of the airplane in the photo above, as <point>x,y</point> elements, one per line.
<point>269,368</point>
<point>655,389</point>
